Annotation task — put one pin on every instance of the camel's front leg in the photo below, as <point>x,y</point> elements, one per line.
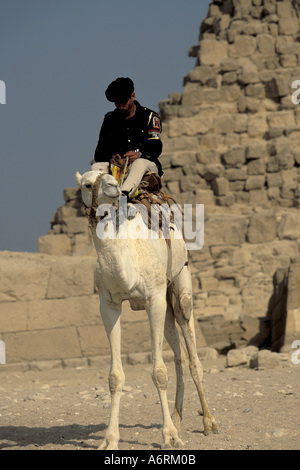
<point>156,311</point>
<point>111,314</point>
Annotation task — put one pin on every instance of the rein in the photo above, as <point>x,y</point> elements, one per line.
<point>90,212</point>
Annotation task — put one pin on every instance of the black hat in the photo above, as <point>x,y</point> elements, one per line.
<point>120,90</point>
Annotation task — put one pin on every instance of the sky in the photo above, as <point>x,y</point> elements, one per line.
<point>56,60</point>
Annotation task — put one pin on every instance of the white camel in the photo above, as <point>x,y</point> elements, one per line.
<point>153,276</point>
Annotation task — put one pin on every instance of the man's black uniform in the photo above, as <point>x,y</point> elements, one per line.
<point>142,132</point>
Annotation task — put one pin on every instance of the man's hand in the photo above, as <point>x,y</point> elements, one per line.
<point>117,160</point>
<point>132,156</point>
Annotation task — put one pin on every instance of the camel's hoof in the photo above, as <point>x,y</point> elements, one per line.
<point>216,429</point>
<point>210,426</point>
<point>106,445</point>
<point>174,443</point>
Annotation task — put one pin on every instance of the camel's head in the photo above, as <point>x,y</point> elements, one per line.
<point>97,188</point>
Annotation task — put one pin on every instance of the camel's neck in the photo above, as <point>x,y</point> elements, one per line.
<point>122,224</point>
<point>117,264</point>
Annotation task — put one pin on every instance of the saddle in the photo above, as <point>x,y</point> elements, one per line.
<point>150,194</point>
<point>150,189</point>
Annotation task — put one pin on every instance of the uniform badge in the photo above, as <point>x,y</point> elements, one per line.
<point>156,123</point>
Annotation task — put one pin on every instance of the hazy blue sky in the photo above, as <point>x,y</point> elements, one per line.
<point>57,58</point>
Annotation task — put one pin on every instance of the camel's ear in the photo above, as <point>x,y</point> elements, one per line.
<point>78,177</point>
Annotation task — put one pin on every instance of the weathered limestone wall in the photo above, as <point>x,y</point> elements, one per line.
<point>231,142</point>
<point>49,310</point>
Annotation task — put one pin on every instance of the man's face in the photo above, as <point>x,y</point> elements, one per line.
<point>127,107</point>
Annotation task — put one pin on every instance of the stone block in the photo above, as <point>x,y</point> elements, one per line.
<point>256,90</point>
<point>211,172</point>
<point>289,227</point>
<point>281,119</point>
<point>290,178</point>
<point>205,197</point>
<point>64,212</point>
<point>74,225</point>
<point>63,313</point>
<point>82,243</point>
<point>93,340</point>
<point>42,345</point>
<point>210,156</point>
<point>179,159</point>
<point>224,124</point>
<point>13,316</point>
<point>55,244</point>
<point>216,299</point>
<point>173,188</point>
<point>220,186</point>
<point>72,277</point>
<point>285,10</point>
<point>265,359</point>
<point>230,94</point>
<point>258,197</point>
<point>256,167</point>
<point>192,96</point>
<point>212,52</point>
<point>293,302</point>
<point>190,183</point>
<point>257,126</point>
<point>240,257</point>
<point>288,26</point>
<point>236,357</point>
<point>241,123</point>
<point>255,182</point>
<point>274,180</point>
<point>262,228</point>
<point>225,201</point>
<point>237,174</point>
<point>72,194</point>
<point>174,174</point>
<point>272,165</point>
<point>256,150</point>
<point>225,230</point>
<point>190,126</point>
<point>235,156</point>
<point>24,276</point>
<point>266,44</point>
<point>243,46</point>
<point>249,74</point>
<point>203,75</point>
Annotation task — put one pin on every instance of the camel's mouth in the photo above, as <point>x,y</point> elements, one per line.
<point>110,187</point>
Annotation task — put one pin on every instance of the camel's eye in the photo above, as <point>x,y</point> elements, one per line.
<point>88,186</point>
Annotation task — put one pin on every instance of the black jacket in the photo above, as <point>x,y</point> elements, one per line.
<point>142,132</point>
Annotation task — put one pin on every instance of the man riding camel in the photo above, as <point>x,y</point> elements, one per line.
<point>130,133</point>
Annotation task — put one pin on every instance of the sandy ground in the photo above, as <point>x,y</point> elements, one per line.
<point>68,409</point>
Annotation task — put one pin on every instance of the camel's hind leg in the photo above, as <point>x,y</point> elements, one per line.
<point>179,351</point>
<point>183,309</point>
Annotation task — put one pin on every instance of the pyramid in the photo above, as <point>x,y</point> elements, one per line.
<point>232,142</point>
<point>235,123</point>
